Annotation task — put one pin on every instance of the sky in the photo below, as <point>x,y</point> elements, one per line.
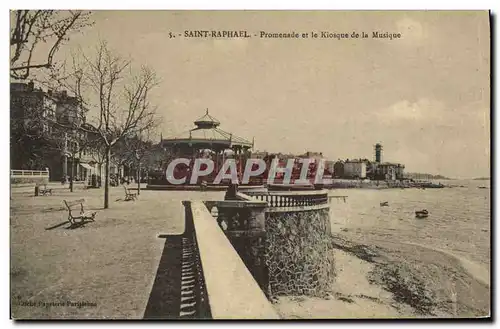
<point>425,96</point>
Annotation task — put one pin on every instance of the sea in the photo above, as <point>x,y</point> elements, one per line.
<point>459,219</point>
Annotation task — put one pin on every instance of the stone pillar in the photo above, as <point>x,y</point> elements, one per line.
<point>247,233</point>
<point>257,246</point>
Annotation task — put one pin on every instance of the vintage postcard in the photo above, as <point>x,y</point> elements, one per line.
<point>250,164</point>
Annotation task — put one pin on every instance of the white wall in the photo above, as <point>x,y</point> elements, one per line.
<point>357,169</point>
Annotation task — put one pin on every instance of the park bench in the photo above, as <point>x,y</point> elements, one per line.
<point>129,195</point>
<point>44,190</point>
<point>82,215</point>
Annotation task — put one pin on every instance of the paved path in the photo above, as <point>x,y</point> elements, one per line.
<point>111,263</point>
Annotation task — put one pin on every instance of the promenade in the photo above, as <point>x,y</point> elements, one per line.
<point>120,266</point>
<point>107,266</point>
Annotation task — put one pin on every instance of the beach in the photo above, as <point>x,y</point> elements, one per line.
<point>391,264</point>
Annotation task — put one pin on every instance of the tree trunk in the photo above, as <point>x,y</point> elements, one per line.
<point>139,179</point>
<point>64,169</point>
<point>106,178</point>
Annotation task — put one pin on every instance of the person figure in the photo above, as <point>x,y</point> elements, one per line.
<point>231,192</point>
<point>203,185</point>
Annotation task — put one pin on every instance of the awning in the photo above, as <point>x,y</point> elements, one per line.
<point>87,166</point>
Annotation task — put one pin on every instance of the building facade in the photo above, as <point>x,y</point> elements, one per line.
<point>38,142</point>
<point>338,169</point>
<point>355,169</point>
<point>390,171</point>
<point>31,110</point>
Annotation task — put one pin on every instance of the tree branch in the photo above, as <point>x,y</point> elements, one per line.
<point>33,27</point>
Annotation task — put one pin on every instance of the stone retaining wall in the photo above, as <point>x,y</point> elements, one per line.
<point>299,254</point>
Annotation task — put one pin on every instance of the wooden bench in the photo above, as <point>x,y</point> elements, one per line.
<point>129,195</point>
<point>343,197</point>
<point>44,190</point>
<point>82,215</point>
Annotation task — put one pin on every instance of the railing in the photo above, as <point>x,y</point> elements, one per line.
<point>231,290</point>
<point>287,199</point>
<point>29,173</point>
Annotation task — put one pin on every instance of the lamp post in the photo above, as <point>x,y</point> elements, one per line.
<point>69,151</point>
<point>138,158</point>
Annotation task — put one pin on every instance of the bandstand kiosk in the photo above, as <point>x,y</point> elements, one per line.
<point>206,140</point>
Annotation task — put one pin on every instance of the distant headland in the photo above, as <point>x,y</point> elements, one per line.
<point>481,178</point>
<point>416,175</point>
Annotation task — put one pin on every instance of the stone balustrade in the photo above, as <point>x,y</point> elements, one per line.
<point>288,201</point>
<point>258,244</point>
<point>283,237</point>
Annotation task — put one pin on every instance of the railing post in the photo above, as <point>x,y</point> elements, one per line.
<point>257,230</point>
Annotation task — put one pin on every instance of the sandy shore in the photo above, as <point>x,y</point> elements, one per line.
<point>384,279</point>
<point>352,296</point>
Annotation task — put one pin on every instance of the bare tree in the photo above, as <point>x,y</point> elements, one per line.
<point>32,30</point>
<point>135,152</point>
<point>119,99</point>
<point>140,147</point>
